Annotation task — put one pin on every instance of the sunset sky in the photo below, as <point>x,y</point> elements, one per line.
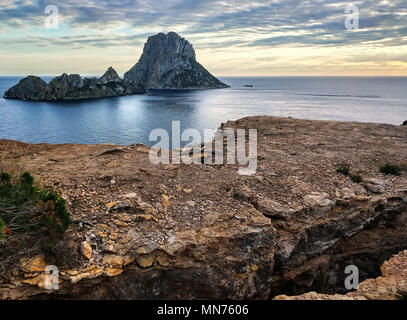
<point>231,37</point>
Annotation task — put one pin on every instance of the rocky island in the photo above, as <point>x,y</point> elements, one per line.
<point>202,231</point>
<point>73,87</point>
<point>168,62</point>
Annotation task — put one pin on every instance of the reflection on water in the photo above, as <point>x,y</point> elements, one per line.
<point>128,120</point>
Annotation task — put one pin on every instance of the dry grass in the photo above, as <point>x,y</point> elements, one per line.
<point>27,236</point>
<point>11,163</point>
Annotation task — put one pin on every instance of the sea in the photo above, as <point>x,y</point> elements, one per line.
<point>131,119</point>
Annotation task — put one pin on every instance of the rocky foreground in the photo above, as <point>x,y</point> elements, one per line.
<point>203,231</point>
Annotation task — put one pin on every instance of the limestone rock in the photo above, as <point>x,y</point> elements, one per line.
<point>146,260</point>
<point>318,199</point>
<point>113,261</point>
<point>35,264</point>
<point>86,250</point>
<point>375,185</point>
<point>272,208</point>
<point>169,62</point>
<point>116,205</point>
<point>387,287</point>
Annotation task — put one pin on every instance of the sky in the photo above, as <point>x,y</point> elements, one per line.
<point>231,37</point>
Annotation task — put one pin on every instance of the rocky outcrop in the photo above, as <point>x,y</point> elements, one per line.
<point>154,232</point>
<point>389,286</point>
<point>29,88</point>
<point>169,62</point>
<point>73,87</point>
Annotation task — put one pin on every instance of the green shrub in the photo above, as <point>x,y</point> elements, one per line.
<point>401,295</point>
<point>356,178</point>
<point>5,178</point>
<point>2,233</point>
<point>390,169</point>
<point>344,170</point>
<point>26,207</point>
<point>238,196</point>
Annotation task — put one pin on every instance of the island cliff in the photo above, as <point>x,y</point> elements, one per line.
<point>168,62</point>
<point>73,87</point>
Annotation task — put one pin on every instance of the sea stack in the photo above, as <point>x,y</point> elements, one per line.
<point>169,62</point>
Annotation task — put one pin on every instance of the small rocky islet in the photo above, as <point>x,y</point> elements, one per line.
<point>168,62</point>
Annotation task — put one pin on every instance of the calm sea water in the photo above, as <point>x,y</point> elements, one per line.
<point>128,120</point>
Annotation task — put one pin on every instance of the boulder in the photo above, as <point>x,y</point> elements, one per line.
<point>169,62</point>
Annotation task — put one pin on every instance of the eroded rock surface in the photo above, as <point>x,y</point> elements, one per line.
<point>389,286</point>
<point>204,231</point>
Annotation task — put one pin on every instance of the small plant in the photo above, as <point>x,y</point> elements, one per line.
<point>5,178</point>
<point>356,178</point>
<point>238,196</point>
<point>390,169</point>
<point>2,231</point>
<point>401,295</point>
<point>343,170</point>
<point>24,207</point>
<point>346,172</point>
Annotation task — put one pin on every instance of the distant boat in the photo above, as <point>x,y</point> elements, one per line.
<point>248,86</point>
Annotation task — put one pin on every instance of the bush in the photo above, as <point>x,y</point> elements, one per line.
<point>356,178</point>
<point>2,231</point>
<point>5,178</point>
<point>390,169</point>
<point>401,295</point>
<point>344,170</point>
<point>25,207</point>
<point>238,196</point>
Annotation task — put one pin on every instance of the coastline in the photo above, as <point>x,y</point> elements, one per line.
<point>294,219</point>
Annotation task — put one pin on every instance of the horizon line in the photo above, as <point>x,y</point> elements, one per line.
<point>238,76</point>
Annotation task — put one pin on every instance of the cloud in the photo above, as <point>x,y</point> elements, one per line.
<point>208,24</point>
